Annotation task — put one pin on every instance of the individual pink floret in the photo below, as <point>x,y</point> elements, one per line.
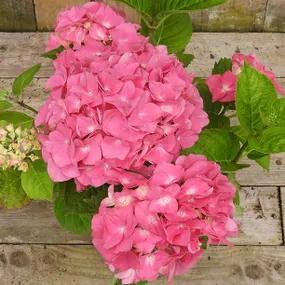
<point>222,87</point>
<point>158,227</point>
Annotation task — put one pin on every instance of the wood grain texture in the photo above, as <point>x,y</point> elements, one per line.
<point>21,50</point>
<point>17,15</point>
<point>255,175</point>
<point>234,15</point>
<point>275,16</point>
<point>46,11</point>
<point>35,223</point>
<point>81,265</point>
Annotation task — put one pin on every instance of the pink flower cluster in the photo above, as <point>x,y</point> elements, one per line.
<point>157,228</point>
<point>116,102</point>
<point>223,86</point>
<point>119,112</point>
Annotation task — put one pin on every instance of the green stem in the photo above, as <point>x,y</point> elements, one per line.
<point>223,111</point>
<point>148,24</point>
<point>241,151</point>
<point>24,105</point>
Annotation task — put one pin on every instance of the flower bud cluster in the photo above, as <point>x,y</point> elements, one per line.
<point>17,147</point>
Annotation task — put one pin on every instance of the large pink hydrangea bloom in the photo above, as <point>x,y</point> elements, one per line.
<point>116,102</point>
<point>157,228</point>
<point>223,86</point>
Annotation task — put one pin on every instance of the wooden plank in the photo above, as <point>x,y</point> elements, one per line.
<point>34,94</point>
<point>17,15</point>
<point>35,223</point>
<point>275,16</point>
<point>210,47</point>
<point>81,265</point>
<point>234,15</point>
<point>20,50</point>
<point>46,11</point>
<point>255,175</point>
<point>260,222</point>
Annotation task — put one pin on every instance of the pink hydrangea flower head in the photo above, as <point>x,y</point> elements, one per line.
<point>157,228</point>
<point>222,87</point>
<point>123,102</point>
<point>238,60</point>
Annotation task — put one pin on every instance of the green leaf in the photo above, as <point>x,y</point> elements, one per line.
<point>142,6</point>
<point>3,93</point>
<point>262,159</point>
<point>185,58</point>
<point>223,65</point>
<point>36,181</point>
<point>209,106</point>
<point>218,122</point>
<point>253,90</point>
<point>25,79</point>
<point>239,209</point>
<point>116,281</point>
<point>240,133</point>
<point>5,105</point>
<point>12,194</point>
<point>75,210</point>
<point>52,54</point>
<point>166,5</point>
<point>175,32</point>
<point>17,119</point>
<point>228,167</point>
<point>218,145</point>
<point>204,4</point>
<point>273,113</point>
<point>232,178</point>
<point>272,140</point>
<point>144,30</point>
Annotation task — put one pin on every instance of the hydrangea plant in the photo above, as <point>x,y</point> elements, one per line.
<point>135,150</point>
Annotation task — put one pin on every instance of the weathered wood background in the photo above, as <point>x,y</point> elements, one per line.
<point>34,250</point>
<point>235,15</point>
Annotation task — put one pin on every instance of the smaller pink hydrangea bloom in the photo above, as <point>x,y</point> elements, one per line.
<point>157,228</point>
<point>222,86</point>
